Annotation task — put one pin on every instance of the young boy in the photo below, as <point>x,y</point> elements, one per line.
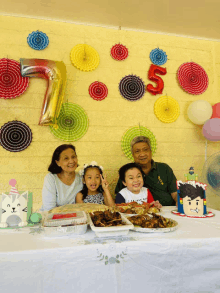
<point>132,177</point>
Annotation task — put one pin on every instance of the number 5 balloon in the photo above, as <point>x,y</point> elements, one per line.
<point>55,73</point>
<point>157,79</point>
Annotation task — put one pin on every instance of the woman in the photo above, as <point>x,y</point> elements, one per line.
<point>62,183</point>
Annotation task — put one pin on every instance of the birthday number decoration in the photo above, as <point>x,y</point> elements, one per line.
<point>158,56</point>
<point>72,123</point>
<point>15,136</point>
<point>38,40</point>
<point>119,52</point>
<point>98,91</point>
<point>132,87</point>
<point>12,84</point>
<point>152,75</point>
<point>192,78</point>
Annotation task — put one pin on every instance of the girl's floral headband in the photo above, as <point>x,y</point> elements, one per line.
<point>92,164</point>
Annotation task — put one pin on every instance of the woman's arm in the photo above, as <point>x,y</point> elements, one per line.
<point>79,198</point>
<point>49,193</point>
<point>108,200</point>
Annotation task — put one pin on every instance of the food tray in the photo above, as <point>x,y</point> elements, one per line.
<point>112,231</point>
<point>156,230</point>
<point>80,218</point>
<point>64,231</point>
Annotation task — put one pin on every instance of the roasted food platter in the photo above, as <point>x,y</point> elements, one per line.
<point>152,223</point>
<point>134,208</point>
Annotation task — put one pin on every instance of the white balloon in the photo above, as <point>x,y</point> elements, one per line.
<point>199,112</point>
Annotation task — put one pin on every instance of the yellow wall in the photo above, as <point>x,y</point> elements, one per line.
<point>180,144</point>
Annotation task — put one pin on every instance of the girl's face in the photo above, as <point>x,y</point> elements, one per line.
<point>68,160</point>
<point>134,180</point>
<point>92,180</point>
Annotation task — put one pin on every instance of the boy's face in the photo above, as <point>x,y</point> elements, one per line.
<point>134,180</point>
<point>193,207</point>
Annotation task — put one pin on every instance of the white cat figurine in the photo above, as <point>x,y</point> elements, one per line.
<point>13,208</point>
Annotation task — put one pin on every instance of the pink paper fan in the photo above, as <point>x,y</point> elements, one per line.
<point>192,78</point>
<point>12,84</point>
<point>98,91</point>
<point>119,52</point>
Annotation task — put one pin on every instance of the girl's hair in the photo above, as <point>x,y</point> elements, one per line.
<point>122,171</point>
<point>54,168</point>
<point>84,191</point>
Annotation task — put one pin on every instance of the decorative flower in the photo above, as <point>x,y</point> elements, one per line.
<point>158,56</point>
<point>119,52</point>
<point>38,40</point>
<point>93,164</point>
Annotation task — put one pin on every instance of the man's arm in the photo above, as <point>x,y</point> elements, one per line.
<point>174,196</point>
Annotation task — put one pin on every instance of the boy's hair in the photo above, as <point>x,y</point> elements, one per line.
<point>191,191</point>
<point>122,171</point>
<point>84,191</point>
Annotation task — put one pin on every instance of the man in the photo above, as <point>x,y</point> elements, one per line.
<point>159,177</point>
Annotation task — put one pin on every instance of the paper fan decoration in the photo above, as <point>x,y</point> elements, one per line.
<point>158,56</point>
<point>98,91</point>
<point>72,123</point>
<point>192,78</point>
<point>38,40</point>
<point>15,136</point>
<point>166,109</point>
<point>132,87</point>
<point>119,52</point>
<point>84,57</point>
<point>132,133</point>
<point>12,84</point>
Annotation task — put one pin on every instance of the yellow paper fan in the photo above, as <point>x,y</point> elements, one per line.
<point>166,109</point>
<point>84,57</point>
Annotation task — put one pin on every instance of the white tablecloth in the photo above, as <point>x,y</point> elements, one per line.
<point>186,260</point>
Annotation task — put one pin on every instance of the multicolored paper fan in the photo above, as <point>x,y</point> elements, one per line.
<point>12,84</point>
<point>132,133</point>
<point>158,56</point>
<point>192,78</point>
<point>98,91</point>
<point>119,52</point>
<point>132,87</point>
<point>84,57</point>
<point>38,40</point>
<point>72,123</point>
<point>166,109</point>
<point>15,136</point>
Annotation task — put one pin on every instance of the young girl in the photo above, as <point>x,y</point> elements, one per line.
<point>93,186</point>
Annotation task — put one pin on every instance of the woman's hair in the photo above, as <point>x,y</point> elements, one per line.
<point>84,191</point>
<point>122,171</point>
<point>54,168</point>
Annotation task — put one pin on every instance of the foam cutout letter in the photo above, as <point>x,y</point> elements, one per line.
<point>55,73</point>
<point>158,80</point>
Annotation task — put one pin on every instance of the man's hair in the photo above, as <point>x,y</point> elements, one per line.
<point>122,171</point>
<point>140,139</point>
<point>191,191</point>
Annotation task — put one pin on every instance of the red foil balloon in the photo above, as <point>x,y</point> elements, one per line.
<point>55,73</point>
<point>216,111</point>
<point>157,79</point>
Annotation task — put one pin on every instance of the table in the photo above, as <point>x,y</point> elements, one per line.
<point>186,260</point>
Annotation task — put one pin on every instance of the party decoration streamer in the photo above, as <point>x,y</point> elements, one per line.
<point>158,56</point>
<point>132,133</point>
<point>192,78</point>
<point>15,136</point>
<point>98,91</point>
<point>84,57</point>
<point>166,109</point>
<point>38,40</point>
<point>72,123</point>
<point>12,84</point>
<point>119,52</point>
<point>132,87</point>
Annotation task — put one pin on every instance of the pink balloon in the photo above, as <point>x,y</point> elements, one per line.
<point>211,129</point>
<point>216,111</point>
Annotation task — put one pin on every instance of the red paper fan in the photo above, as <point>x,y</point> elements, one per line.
<point>98,91</point>
<point>12,84</point>
<point>192,78</point>
<point>119,52</point>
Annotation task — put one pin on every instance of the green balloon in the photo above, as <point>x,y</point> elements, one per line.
<point>35,217</point>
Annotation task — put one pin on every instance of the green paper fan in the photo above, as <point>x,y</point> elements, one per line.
<point>132,133</point>
<point>72,123</point>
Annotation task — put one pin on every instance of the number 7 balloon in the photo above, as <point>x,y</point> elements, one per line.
<point>55,73</point>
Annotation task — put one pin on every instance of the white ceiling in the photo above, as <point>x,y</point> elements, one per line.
<point>196,18</point>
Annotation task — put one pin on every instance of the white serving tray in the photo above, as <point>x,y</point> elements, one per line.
<point>112,231</point>
<point>80,218</point>
<point>65,231</point>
